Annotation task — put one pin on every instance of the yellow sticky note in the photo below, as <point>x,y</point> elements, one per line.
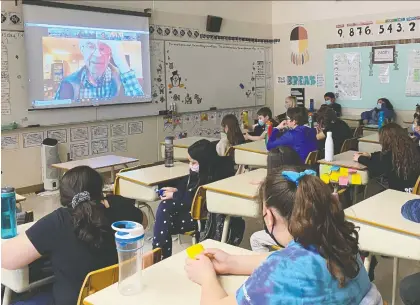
<point>334,176</point>
<point>194,250</point>
<point>344,171</point>
<point>356,179</point>
<point>325,178</point>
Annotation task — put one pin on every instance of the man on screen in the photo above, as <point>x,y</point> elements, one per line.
<point>99,78</point>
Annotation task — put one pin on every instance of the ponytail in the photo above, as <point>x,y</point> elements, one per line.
<point>81,194</point>
<point>314,219</point>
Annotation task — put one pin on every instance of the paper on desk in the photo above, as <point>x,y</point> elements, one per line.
<point>343,181</point>
<point>352,171</point>
<point>344,171</point>
<point>325,178</point>
<point>335,168</point>
<point>356,179</point>
<point>334,176</point>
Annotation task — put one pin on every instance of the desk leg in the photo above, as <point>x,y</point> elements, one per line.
<point>7,297</point>
<point>395,280</point>
<point>355,189</point>
<point>225,229</point>
<point>112,174</point>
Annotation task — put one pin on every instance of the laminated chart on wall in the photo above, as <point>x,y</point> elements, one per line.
<point>204,75</point>
<point>347,76</point>
<point>5,81</point>
<point>412,87</point>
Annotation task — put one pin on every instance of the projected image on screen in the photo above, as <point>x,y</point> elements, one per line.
<point>94,65</point>
<point>78,58</point>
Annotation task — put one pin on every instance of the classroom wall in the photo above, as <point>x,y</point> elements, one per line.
<point>320,19</point>
<point>22,166</point>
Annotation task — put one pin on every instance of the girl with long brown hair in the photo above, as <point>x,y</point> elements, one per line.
<point>399,160</point>
<point>231,134</point>
<point>319,265</point>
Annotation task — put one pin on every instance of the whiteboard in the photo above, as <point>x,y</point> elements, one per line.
<point>204,75</point>
<point>13,45</point>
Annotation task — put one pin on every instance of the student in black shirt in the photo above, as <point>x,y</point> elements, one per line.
<point>264,115</point>
<point>329,99</point>
<point>328,121</point>
<point>399,160</point>
<point>77,237</point>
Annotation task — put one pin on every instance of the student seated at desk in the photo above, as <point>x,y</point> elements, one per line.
<point>277,157</point>
<point>328,122</point>
<point>371,117</point>
<point>173,213</point>
<point>399,160</point>
<point>330,101</point>
<point>77,237</point>
<point>319,264</point>
<point>264,115</point>
<point>289,102</point>
<point>299,137</point>
<point>230,136</point>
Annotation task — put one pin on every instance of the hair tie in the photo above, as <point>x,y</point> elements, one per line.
<point>295,177</point>
<point>80,197</point>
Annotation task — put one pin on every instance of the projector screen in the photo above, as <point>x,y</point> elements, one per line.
<point>85,58</point>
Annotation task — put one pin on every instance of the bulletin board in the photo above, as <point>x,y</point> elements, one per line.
<point>373,79</point>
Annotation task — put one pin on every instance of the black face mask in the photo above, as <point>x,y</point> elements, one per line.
<point>271,233</point>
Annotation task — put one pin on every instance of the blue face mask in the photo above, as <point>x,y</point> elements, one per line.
<point>328,102</point>
<point>378,106</point>
<point>261,123</point>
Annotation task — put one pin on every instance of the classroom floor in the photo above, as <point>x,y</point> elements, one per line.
<point>41,206</point>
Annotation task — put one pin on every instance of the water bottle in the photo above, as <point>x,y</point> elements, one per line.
<point>329,147</point>
<point>8,213</point>
<point>381,119</point>
<point>169,151</point>
<point>311,105</point>
<point>129,239</point>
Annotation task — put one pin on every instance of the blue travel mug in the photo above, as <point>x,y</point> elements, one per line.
<point>8,213</point>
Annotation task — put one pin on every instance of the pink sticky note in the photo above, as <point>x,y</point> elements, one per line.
<point>343,181</point>
<point>352,170</point>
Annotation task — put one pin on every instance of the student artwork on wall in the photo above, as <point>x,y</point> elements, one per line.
<point>347,76</point>
<point>299,45</point>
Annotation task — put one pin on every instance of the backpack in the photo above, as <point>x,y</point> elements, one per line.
<point>214,227</point>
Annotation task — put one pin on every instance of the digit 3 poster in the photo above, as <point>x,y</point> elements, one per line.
<point>299,45</point>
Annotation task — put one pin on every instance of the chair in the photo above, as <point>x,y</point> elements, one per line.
<point>350,144</point>
<point>312,158</point>
<point>198,213</point>
<point>416,188</point>
<point>358,132</point>
<point>102,278</point>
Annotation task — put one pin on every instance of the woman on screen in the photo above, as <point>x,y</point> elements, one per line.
<point>99,78</point>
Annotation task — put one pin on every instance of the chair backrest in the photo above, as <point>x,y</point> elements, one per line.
<point>416,188</point>
<point>350,144</point>
<point>102,278</point>
<point>358,132</point>
<point>312,158</point>
<point>198,206</point>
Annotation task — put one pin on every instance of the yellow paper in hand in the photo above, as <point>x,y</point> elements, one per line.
<point>194,251</point>
<point>356,179</point>
<point>344,171</point>
<point>325,178</point>
<point>334,176</point>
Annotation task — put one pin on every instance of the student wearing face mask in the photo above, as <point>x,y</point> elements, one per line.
<point>264,115</point>
<point>289,102</point>
<point>173,213</point>
<point>298,137</point>
<point>320,263</point>
<point>372,116</point>
<point>329,99</point>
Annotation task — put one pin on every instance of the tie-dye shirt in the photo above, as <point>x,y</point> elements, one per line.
<point>299,276</point>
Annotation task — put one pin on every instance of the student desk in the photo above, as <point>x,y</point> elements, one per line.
<point>351,120</point>
<point>252,153</point>
<point>345,160</point>
<point>97,163</point>
<point>141,184</point>
<point>181,147</point>
<point>370,143</point>
<point>167,283</point>
<point>235,196</point>
<point>18,280</point>
<point>20,198</point>
<point>384,230</point>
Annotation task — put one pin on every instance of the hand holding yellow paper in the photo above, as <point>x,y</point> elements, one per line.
<point>194,251</point>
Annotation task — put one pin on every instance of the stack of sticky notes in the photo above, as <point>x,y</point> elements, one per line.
<point>194,251</point>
